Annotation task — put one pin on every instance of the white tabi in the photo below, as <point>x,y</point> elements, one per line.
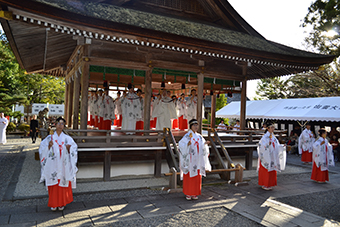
<point>118,107</point>
<point>306,141</point>
<point>193,156</point>
<point>108,108</point>
<point>131,111</point>
<point>271,154</point>
<point>182,108</point>
<point>57,163</point>
<point>164,110</point>
<point>192,108</point>
<point>323,154</point>
<point>3,126</point>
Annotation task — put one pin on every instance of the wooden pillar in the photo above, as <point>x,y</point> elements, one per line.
<point>76,96</point>
<point>200,78</point>
<point>213,111</point>
<point>243,98</point>
<point>66,101</point>
<point>84,90</point>
<point>147,98</point>
<point>70,104</point>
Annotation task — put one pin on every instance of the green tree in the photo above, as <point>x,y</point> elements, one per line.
<point>324,18</point>
<point>272,88</point>
<point>17,87</point>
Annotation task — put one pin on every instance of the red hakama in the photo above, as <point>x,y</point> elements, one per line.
<point>174,123</point>
<point>154,122</point>
<point>267,179</point>
<point>101,123</point>
<point>319,175</point>
<point>139,125</point>
<point>182,123</point>
<point>306,156</point>
<point>91,120</point>
<point>107,125</point>
<point>96,121</point>
<point>192,185</point>
<point>59,196</point>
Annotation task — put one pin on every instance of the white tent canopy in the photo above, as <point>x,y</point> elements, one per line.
<point>304,109</point>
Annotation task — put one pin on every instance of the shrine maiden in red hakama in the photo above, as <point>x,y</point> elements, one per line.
<point>194,162</point>
<point>322,158</point>
<point>271,158</point>
<point>58,158</point>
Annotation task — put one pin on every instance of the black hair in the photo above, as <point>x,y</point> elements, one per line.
<point>322,131</point>
<point>61,119</point>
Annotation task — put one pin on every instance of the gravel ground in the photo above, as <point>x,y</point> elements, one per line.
<point>325,204</point>
<point>210,217</point>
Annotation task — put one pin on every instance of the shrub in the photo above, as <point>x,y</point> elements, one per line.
<point>24,127</point>
<point>11,127</point>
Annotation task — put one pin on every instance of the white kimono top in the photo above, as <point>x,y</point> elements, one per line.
<point>57,163</point>
<point>3,126</point>
<point>182,108</point>
<point>306,141</point>
<point>164,110</point>
<point>271,154</point>
<point>95,106</point>
<point>192,108</point>
<point>100,106</point>
<point>193,156</point>
<point>108,108</point>
<point>323,154</point>
<point>118,109</point>
<point>131,107</point>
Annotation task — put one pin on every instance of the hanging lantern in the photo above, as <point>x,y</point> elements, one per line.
<point>211,92</point>
<point>183,86</point>
<point>163,84</point>
<point>218,95</point>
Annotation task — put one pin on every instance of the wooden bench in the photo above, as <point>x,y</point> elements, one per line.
<point>113,146</point>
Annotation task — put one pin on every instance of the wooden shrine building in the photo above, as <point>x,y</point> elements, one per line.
<point>201,43</point>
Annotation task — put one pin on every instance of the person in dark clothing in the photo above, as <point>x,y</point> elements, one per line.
<point>33,128</point>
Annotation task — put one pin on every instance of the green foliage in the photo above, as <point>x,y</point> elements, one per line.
<point>323,16</point>
<point>10,127</point>
<point>272,88</point>
<point>17,87</point>
<point>323,83</point>
<point>24,127</point>
<point>221,102</point>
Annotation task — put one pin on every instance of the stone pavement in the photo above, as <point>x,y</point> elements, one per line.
<point>296,201</point>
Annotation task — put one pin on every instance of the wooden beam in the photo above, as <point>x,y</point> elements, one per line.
<point>243,99</point>
<point>70,104</point>
<point>66,101</point>
<point>76,96</point>
<point>147,98</point>
<point>84,90</point>
<point>200,80</point>
<point>213,111</point>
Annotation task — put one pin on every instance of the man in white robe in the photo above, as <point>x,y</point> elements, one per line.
<point>192,105</point>
<point>131,110</point>
<point>164,111</point>
<point>58,158</point>
<point>3,126</point>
